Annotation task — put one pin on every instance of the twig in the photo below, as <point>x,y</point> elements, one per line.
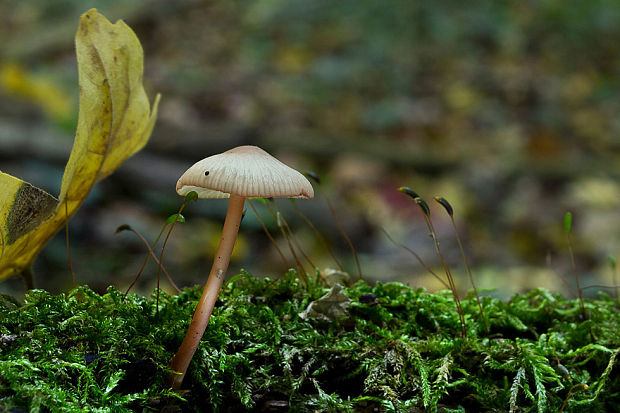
<point>273,241</point>
<point>345,236</point>
<point>317,233</point>
<point>293,237</point>
<point>27,277</point>
<point>443,202</point>
<point>290,245</point>
<point>152,254</point>
<point>332,210</point>
<point>427,268</point>
<point>567,226</point>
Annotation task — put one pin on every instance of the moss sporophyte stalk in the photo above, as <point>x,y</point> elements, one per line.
<point>387,347</point>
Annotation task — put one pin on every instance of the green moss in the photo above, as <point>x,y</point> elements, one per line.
<point>397,349</point>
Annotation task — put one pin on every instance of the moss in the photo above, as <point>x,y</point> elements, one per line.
<point>396,349</point>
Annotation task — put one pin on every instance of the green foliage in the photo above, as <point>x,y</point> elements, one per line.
<point>79,350</point>
<point>397,349</point>
<point>568,221</point>
<point>175,217</point>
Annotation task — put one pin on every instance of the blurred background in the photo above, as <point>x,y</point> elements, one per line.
<point>510,110</point>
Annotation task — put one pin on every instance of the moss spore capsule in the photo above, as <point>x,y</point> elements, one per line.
<point>408,191</point>
<point>423,205</point>
<point>444,203</point>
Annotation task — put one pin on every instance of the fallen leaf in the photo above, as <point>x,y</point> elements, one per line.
<point>115,121</point>
<point>330,307</point>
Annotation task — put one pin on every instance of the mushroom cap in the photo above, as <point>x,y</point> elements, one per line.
<point>247,171</point>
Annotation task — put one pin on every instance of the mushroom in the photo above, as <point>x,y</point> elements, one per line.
<point>239,173</point>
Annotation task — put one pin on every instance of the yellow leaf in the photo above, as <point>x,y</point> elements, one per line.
<point>38,89</point>
<point>115,121</point>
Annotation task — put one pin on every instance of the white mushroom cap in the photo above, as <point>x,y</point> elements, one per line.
<point>247,171</point>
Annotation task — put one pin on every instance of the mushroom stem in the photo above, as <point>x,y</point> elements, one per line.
<point>199,322</point>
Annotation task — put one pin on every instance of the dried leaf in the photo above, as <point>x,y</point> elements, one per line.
<point>115,121</point>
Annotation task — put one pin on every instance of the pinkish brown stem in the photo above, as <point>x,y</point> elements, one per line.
<point>199,322</point>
